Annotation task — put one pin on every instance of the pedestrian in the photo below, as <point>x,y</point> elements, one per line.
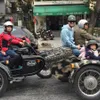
<point>67,35</point>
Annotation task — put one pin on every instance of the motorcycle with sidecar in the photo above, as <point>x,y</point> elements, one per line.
<point>83,74</point>
<point>30,65</point>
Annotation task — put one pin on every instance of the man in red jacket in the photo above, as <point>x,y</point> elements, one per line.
<point>7,40</point>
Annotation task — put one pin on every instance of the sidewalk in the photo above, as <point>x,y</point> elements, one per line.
<point>49,44</point>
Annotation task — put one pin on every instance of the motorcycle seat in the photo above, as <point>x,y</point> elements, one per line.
<point>43,54</point>
<point>74,58</point>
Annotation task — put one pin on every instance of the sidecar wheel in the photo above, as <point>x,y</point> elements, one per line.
<point>87,82</point>
<point>44,37</point>
<point>46,73</point>
<point>3,82</point>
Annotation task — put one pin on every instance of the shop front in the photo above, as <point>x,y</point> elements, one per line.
<point>53,17</point>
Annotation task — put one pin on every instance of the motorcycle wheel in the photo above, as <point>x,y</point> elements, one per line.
<point>87,82</point>
<point>3,82</point>
<point>45,73</point>
<point>51,38</point>
<point>44,37</point>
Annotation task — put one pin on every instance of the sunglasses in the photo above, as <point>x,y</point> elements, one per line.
<point>72,21</point>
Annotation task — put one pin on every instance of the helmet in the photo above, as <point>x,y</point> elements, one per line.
<point>8,23</point>
<point>92,42</point>
<point>71,18</point>
<point>82,22</point>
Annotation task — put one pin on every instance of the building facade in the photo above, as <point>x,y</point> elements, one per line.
<point>52,14</point>
<point>2,10</point>
<point>8,10</point>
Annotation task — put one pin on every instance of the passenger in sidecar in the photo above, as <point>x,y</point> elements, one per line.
<point>90,56</point>
<point>90,51</point>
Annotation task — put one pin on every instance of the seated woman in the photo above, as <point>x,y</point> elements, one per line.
<point>7,39</point>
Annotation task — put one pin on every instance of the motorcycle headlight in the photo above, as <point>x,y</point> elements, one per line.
<point>72,65</point>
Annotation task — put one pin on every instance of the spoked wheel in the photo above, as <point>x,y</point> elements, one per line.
<point>45,73</point>
<point>3,82</point>
<point>87,83</point>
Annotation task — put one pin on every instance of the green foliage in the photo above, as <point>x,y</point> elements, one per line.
<point>25,14</point>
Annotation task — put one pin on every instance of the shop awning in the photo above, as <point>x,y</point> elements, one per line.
<point>60,10</point>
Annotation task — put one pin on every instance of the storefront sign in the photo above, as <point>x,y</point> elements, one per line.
<point>57,2</point>
<point>62,2</point>
<point>60,10</point>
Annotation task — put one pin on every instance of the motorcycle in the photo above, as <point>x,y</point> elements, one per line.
<point>31,65</point>
<point>83,74</point>
<point>50,34</point>
<point>45,34</point>
<point>29,49</point>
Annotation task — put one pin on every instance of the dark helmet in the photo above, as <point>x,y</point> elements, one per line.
<point>91,42</point>
<point>71,18</point>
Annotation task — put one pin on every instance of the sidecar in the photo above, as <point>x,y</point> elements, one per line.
<point>86,79</point>
<point>84,76</point>
<point>31,65</point>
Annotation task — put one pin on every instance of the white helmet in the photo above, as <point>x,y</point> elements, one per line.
<point>82,22</point>
<point>8,23</point>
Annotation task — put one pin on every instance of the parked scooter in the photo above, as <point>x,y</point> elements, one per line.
<point>45,34</point>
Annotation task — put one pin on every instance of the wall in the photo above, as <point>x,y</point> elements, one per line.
<point>40,22</point>
<point>2,7</point>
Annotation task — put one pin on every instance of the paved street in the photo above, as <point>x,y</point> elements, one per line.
<point>34,88</point>
<point>52,43</point>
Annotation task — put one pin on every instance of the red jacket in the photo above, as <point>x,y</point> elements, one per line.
<point>8,39</point>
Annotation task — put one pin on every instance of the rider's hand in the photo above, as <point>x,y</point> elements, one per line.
<point>4,53</point>
<point>24,41</point>
<point>21,43</point>
<point>78,46</point>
